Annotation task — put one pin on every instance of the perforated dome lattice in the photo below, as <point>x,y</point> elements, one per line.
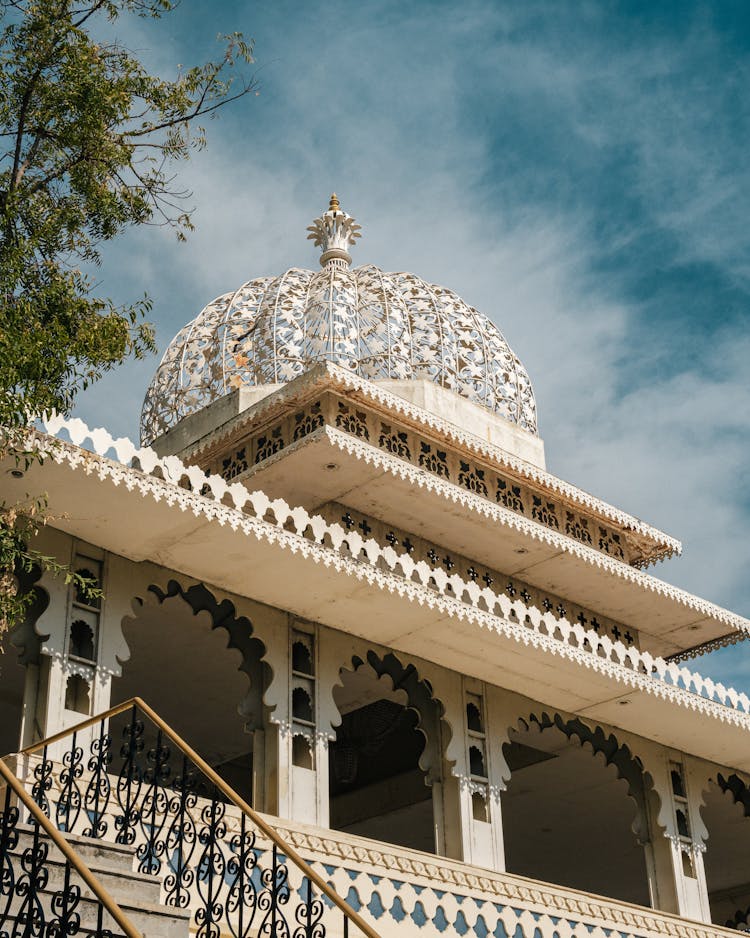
<point>380,325</point>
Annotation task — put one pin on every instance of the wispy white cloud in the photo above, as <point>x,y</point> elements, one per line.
<point>673,105</point>
<point>439,190</point>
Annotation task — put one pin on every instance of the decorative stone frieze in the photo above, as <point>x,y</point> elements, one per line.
<point>413,894</point>
<point>349,553</point>
<point>450,465</point>
<point>724,641</point>
<point>401,419</point>
<point>420,549</point>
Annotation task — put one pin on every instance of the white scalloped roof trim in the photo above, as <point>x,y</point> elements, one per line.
<point>535,529</point>
<point>501,515</point>
<point>495,454</point>
<point>160,478</point>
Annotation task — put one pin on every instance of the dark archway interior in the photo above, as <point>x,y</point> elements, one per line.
<point>377,788</point>
<point>727,856</point>
<point>20,650</point>
<point>12,679</point>
<point>199,667</point>
<point>567,818</point>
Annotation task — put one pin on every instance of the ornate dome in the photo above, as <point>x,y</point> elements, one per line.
<point>380,325</point>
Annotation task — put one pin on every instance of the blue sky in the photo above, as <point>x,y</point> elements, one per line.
<point>577,171</point>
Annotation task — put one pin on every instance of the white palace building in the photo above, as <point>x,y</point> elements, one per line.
<point>361,664</point>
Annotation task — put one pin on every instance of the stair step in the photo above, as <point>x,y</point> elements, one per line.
<point>117,858</point>
<point>136,893</point>
<point>150,918</point>
<point>125,887</point>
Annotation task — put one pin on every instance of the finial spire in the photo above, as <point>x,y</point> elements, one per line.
<point>334,232</point>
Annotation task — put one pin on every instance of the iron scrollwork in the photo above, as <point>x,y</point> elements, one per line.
<point>68,806</point>
<point>42,782</point>
<point>154,808</point>
<point>309,915</point>
<point>180,838</point>
<point>242,898</point>
<point>99,789</point>
<point>129,781</point>
<point>273,897</point>
<point>30,885</point>
<point>148,794</point>
<point>211,868</point>
<point>30,906</point>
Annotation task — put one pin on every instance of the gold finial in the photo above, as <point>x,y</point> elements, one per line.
<point>333,205</point>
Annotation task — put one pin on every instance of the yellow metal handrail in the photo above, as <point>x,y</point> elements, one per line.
<point>70,854</point>
<point>225,789</point>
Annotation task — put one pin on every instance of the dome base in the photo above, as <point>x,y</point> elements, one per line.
<point>450,406</point>
<point>470,417</point>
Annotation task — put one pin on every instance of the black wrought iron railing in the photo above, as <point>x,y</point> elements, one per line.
<point>126,777</point>
<point>42,878</point>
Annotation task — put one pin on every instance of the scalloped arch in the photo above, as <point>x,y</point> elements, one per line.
<point>223,614</point>
<point>628,766</point>
<point>24,635</point>
<point>420,698</point>
<point>738,788</point>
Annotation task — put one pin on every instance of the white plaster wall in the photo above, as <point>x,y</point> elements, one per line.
<point>301,794</point>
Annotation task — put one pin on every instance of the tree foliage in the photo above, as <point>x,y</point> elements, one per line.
<point>89,145</point>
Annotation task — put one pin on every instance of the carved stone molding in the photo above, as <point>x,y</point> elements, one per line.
<point>189,489</point>
<point>367,868</point>
<point>328,375</point>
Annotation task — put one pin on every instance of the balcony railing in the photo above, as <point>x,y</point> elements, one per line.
<point>42,877</point>
<point>214,855</point>
<point>242,873</point>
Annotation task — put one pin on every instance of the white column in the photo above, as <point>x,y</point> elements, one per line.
<point>307,738</point>
<point>675,854</point>
<point>275,762</point>
<point>73,676</point>
<point>45,693</point>
<point>481,805</point>
<point>448,755</point>
<point>295,779</point>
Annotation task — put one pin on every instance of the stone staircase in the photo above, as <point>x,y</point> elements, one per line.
<point>220,868</point>
<point>137,894</point>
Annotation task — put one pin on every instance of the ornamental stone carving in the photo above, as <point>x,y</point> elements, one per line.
<point>188,488</point>
<point>377,325</point>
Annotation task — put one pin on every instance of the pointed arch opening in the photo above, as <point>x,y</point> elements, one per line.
<point>574,812</point>
<point>198,664</point>
<point>386,760</point>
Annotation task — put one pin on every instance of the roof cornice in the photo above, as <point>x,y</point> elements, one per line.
<point>329,376</point>
<point>167,479</point>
